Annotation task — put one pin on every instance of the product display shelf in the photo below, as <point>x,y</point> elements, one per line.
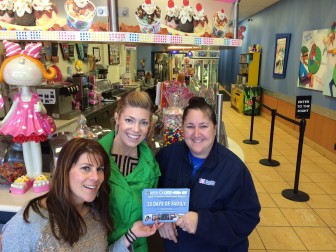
<point>116,37</point>
<point>249,64</point>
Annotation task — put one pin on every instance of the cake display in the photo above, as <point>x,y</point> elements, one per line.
<point>6,11</point>
<point>200,19</point>
<point>21,185</point>
<point>186,18</point>
<point>220,23</point>
<point>41,184</point>
<point>45,12</point>
<point>172,17</point>
<point>148,15</point>
<point>80,14</point>
<point>24,14</point>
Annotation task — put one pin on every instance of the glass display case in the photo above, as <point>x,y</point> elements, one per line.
<point>206,66</point>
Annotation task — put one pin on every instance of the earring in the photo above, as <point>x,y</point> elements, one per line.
<point>97,195</point>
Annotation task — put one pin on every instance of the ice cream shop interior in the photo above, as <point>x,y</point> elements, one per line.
<point>267,67</point>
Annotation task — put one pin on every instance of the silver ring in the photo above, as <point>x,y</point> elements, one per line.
<point>184,229</point>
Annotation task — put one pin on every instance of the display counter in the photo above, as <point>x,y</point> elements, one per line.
<point>13,202</point>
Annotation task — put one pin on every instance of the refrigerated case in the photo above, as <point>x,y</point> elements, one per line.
<point>205,64</point>
<point>161,67</point>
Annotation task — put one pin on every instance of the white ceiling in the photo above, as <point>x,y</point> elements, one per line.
<point>248,8</point>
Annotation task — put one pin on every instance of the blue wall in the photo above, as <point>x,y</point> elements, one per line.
<point>286,16</point>
<point>144,52</point>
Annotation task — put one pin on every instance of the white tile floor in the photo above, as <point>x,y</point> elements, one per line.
<point>287,225</point>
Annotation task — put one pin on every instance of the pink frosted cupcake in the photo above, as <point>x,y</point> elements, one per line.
<point>6,11</point>
<point>200,19</point>
<point>172,17</point>
<point>220,23</point>
<point>186,18</point>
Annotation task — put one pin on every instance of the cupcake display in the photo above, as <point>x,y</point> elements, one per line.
<point>45,12</point>
<point>186,18</point>
<point>148,15</point>
<point>200,19</point>
<point>80,14</point>
<point>24,14</point>
<point>220,23</point>
<point>172,17</point>
<point>6,11</point>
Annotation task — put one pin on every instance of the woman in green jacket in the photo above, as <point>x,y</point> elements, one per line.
<point>133,166</point>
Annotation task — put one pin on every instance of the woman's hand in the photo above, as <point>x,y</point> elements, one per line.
<point>142,230</point>
<point>188,222</point>
<point>168,231</point>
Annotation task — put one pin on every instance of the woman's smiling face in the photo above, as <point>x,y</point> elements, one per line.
<point>85,178</point>
<point>199,132</point>
<point>133,125</point>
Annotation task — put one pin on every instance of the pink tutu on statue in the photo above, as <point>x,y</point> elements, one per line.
<point>27,125</point>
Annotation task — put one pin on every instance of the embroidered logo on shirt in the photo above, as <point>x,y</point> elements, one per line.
<point>206,182</point>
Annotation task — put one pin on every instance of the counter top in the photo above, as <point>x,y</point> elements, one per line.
<point>14,202</point>
<point>92,109</point>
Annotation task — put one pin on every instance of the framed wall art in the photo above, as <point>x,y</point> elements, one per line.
<point>282,42</point>
<point>96,53</point>
<point>114,54</point>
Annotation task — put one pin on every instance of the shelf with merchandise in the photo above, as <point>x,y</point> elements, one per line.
<point>117,37</point>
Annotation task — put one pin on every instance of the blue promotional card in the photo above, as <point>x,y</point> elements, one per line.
<point>164,204</point>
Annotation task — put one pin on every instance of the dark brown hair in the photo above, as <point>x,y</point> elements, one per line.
<point>199,103</point>
<point>58,201</point>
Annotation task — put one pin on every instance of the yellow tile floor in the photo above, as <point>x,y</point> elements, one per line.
<point>286,225</point>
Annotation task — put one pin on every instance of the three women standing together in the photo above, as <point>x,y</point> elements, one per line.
<point>224,207</point>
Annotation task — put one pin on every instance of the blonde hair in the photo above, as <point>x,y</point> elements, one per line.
<point>135,99</point>
<point>48,74</point>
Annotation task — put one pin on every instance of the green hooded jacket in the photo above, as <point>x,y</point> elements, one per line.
<point>126,192</point>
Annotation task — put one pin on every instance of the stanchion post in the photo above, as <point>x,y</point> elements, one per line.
<point>299,155</point>
<point>269,161</point>
<point>295,194</point>
<point>251,141</point>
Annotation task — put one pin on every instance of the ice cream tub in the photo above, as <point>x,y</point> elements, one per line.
<point>80,20</point>
<point>149,28</point>
<point>219,31</point>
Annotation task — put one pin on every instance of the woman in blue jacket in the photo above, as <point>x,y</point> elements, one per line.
<point>224,206</point>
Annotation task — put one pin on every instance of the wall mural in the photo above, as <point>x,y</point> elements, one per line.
<point>317,70</point>
<point>178,17</point>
